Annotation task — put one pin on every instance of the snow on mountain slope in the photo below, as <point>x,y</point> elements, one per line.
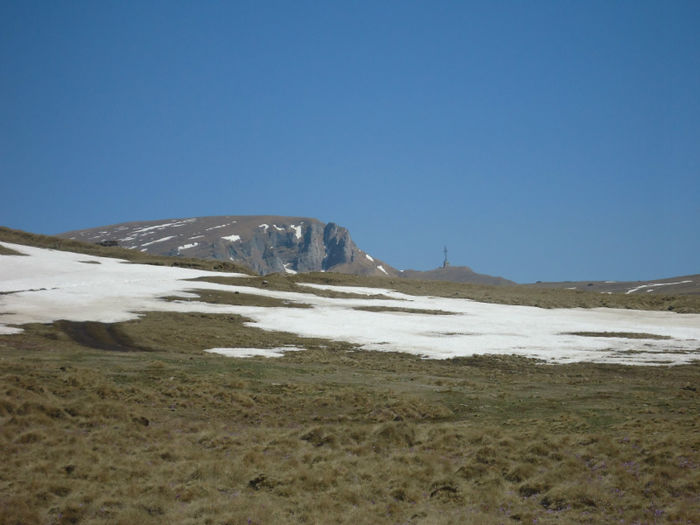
<point>679,285</point>
<point>266,244</point>
<point>47,285</point>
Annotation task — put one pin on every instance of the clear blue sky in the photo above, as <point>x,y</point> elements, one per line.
<point>537,140</point>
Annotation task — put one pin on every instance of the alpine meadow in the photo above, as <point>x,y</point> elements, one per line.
<point>119,407</point>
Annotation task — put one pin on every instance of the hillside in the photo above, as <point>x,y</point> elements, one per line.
<point>682,285</point>
<point>41,285</point>
<point>155,393</point>
<point>264,243</point>
<point>458,274</point>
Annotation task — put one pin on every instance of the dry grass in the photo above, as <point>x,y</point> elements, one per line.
<point>161,432</point>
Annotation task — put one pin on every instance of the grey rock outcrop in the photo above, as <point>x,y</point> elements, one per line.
<point>265,244</point>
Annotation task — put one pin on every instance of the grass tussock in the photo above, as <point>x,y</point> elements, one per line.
<point>159,431</point>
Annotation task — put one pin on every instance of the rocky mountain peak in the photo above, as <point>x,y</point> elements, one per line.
<point>266,244</point>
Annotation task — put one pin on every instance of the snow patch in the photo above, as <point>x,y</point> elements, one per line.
<point>277,228</point>
<point>178,224</point>
<point>158,240</point>
<point>151,228</point>
<point>187,246</point>
<point>232,238</point>
<point>379,267</point>
<point>264,226</point>
<point>48,285</point>
<point>643,286</point>
<point>359,290</point>
<point>289,270</point>
<point>369,257</point>
<point>254,352</point>
<point>297,231</point>
<point>51,284</point>
<point>9,330</point>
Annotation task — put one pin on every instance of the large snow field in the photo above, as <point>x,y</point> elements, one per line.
<point>47,285</point>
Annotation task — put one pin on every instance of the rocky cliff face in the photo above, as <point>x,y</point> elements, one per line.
<point>266,244</point>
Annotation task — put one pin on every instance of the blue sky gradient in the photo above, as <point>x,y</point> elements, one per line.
<point>537,140</point>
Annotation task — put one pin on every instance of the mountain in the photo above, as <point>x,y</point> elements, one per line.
<point>264,243</point>
<point>684,285</point>
<point>460,274</point>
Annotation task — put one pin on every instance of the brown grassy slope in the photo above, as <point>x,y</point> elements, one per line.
<point>69,245</point>
<point>332,435</point>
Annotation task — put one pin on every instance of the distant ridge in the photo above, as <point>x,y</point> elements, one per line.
<point>682,285</point>
<point>459,274</point>
<point>265,244</point>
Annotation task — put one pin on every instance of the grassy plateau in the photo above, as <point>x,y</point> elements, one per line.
<point>132,423</point>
